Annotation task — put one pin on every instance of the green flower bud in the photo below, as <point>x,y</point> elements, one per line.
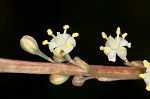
<point>58,79</point>
<point>29,44</point>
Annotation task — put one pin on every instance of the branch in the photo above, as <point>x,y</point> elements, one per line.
<point>29,67</point>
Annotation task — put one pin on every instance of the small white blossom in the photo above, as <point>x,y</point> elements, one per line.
<point>61,44</point>
<point>115,46</point>
<point>146,75</point>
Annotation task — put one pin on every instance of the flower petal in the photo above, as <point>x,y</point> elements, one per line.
<point>147,77</point>
<point>59,39</point>
<point>72,41</point>
<point>112,55</point>
<point>124,42</point>
<point>52,45</point>
<point>148,71</point>
<point>111,42</point>
<point>67,50</point>
<point>122,53</point>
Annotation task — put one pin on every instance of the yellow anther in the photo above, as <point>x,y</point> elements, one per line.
<point>142,75</point>
<point>65,26</point>
<point>148,88</point>
<point>57,50</point>
<point>101,48</point>
<point>45,42</point>
<point>121,48</point>
<point>106,50</point>
<point>118,31</point>
<point>68,44</point>
<point>75,34</point>
<point>49,32</point>
<point>104,35</point>
<point>146,63</point>
<point>124,35</point>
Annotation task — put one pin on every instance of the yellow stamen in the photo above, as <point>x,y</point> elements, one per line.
<point>148,88</point>
<point>75,34</point>
<point>106,50</point>
<point>146,63</point>
<point>49,32</point>
<point>57,50</point>
<point>118,31</point>
<point>121,48</point>
<point>68,44</point>
<point>101,48</point>
<point>142,75</point>
<point>124,35</point>
<point>104,35</point>
<point>65,26</point>
<point>45,42</point>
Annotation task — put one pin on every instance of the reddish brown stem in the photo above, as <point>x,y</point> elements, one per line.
<point>29,67</point>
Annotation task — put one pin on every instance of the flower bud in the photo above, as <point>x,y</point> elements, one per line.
<point>29,44</point>
<point>58,79</point>
<point>78,81</point>
<point>85,66</point>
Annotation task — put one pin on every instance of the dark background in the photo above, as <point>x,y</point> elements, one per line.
<point>87,17</point>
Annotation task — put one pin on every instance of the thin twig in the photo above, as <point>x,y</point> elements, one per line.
<point>29,67</point>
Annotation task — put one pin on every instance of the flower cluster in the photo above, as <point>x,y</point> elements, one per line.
<point>115,46</point>
<point>61,44</point>
<point>146,75</point>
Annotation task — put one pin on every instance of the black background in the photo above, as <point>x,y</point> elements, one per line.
<point>87,17</point>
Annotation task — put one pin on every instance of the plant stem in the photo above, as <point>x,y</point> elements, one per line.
<point>29,67</point>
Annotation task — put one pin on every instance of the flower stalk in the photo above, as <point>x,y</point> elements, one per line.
<point>29,67</point>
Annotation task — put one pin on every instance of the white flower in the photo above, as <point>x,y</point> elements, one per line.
<point>115,46</point>
<point>61,44</point>
<point>146,75</point>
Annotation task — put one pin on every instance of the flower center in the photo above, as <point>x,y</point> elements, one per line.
<point>60,40</point>
<point>112,43</point>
